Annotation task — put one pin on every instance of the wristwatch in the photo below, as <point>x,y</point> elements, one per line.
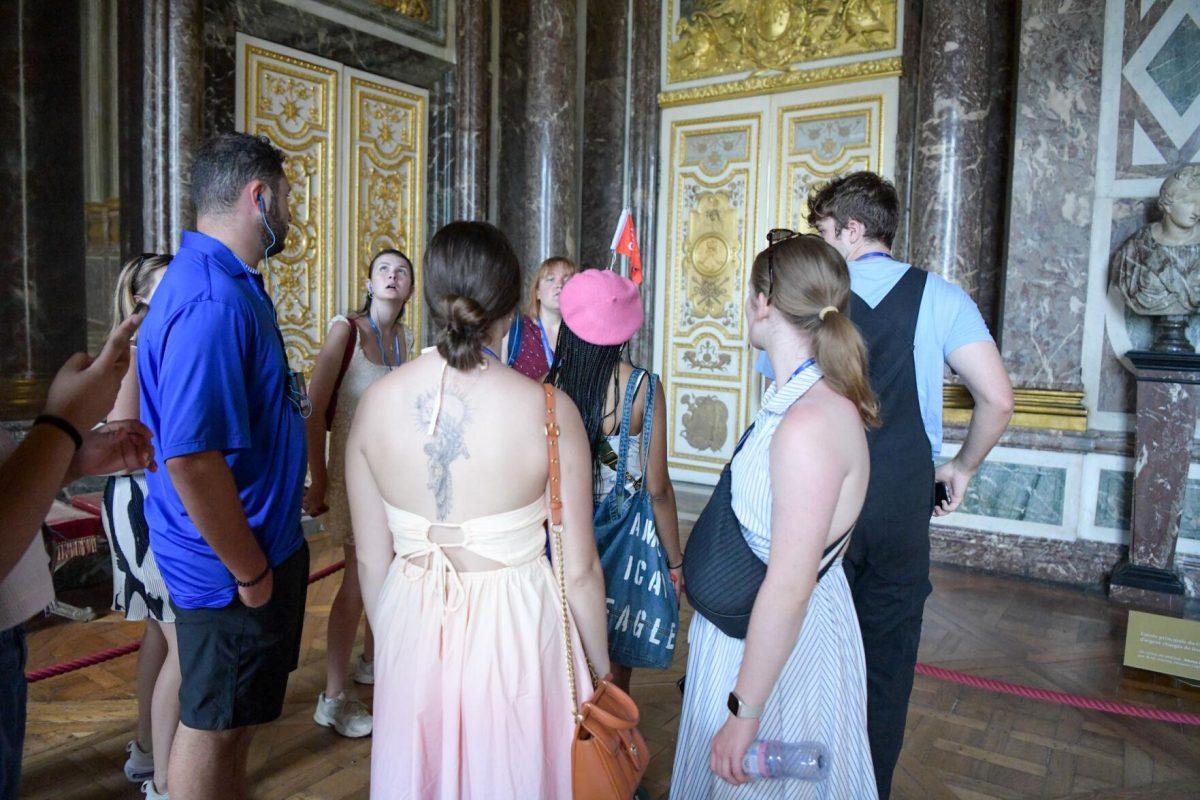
<point>741,709</point>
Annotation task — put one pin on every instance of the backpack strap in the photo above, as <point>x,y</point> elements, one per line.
<point>331,409</point>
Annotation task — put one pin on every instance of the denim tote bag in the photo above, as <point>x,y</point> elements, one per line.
<point>643,612</point>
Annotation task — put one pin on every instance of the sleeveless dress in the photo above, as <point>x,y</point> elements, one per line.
<point>471,692</point>
<point>138,587</point>
<point>821,694</point>
<point>361,372</point>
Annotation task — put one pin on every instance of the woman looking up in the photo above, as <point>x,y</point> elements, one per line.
<point>138,588</point>
<point>531,339</point>
<point>447,471</point>
<point>358,350</point>
<point>601,312</point>
<point>799,675</point>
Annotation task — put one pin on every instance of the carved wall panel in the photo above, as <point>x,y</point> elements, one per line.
<point>292,98</point>
<point>819,141</point>
<point>355,157</point>
<point>385,178</point>
<point>734,170</point>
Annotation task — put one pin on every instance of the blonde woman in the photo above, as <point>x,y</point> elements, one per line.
<point>138,588</point>
<point>532,338</point>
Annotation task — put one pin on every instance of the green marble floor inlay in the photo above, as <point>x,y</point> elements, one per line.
<point>1174,68</point>
<point>1114,503</point>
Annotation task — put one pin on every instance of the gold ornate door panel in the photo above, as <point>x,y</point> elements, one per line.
<point>292,98</point>
<point>817,142</point>
<point>711,220</point>
<point>385,179</point>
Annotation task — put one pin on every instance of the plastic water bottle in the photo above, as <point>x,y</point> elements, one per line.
<point>806,761</point>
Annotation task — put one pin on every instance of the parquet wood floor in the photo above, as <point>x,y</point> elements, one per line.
<point>962,744</point>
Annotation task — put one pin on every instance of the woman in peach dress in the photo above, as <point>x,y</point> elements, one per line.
<point>446,469</point>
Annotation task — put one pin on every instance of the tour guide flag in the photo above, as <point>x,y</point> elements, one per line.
<point>625,242</point>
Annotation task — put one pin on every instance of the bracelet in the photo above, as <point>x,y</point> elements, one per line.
<point>62,425</point>
<point>677,566</point>
<point>256,581</point>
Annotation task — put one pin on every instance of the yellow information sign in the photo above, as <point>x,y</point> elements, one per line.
<point>1163,644</point>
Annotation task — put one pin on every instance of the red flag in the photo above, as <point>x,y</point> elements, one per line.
<point>625,242</point>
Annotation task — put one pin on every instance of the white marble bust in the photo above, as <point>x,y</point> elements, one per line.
<point>1157,270</point>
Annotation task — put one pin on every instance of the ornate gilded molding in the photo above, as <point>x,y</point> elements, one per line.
<point>793,79</point>
<point>1050,409</point>
<point>722,37</point>
<point>413,9</point>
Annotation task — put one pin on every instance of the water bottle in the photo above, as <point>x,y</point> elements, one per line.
<point>806,761</point>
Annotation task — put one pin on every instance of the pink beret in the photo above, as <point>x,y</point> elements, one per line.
<point>601,307</point>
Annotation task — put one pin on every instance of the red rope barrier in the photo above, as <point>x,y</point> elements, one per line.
<point>132,647</point>
<point>953,676</point>
<point>1062,698</point>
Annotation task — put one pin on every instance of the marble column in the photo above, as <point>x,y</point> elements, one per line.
<point>473,108</point>
<point>956,111</point>
<point>1051,192</point>
<point>43,309</point>
<point>1168,393</point>
<point>161,112</point>
<point>538,190</point>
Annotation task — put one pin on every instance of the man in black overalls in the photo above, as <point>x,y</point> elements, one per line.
<point>911,321</point>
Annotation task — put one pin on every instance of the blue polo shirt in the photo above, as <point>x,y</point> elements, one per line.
<point>214,376</point>
<point>946,320</point>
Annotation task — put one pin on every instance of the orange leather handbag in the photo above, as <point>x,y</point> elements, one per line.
<point>608,754</point>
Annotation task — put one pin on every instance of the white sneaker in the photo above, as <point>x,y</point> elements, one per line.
<point>140,764</point>
<point>152,793</point>
<point>364,671</point>
<point>350,718</point>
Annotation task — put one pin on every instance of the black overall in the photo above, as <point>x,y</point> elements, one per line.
<point>887,563</point>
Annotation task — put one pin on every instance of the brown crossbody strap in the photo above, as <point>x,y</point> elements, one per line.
<point>556,531</point>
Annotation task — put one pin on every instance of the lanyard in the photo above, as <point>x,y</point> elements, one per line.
<point>872,254</point>
<point>379,340</point>
<point>295,390</point>
<point>546,344</point>
<point>800,369</point>
<point>488,351</point>
<point>256,281</point>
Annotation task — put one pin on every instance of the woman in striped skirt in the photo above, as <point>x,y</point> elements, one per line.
<point>138,588</point>
<point>798,483</point>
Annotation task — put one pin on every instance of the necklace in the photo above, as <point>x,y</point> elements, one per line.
<point>379,341</point>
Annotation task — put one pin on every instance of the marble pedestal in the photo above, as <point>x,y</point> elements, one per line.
<point>1168,393</point>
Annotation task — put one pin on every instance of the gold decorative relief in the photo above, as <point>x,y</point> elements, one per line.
<point>386,207</point>
<point>818,142</point>
<point>712,212</point>
<point>723,37</point>
<point>293,102</point>
<point>413,9</point>
<point>782,82</point>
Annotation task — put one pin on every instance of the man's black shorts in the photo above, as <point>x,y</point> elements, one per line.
<point>235,660</point>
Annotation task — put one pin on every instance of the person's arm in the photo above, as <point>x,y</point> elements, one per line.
<point>804,452</point>
<point>662,493</point>
<point>979,366</point>
<point>82,391</point>
<point>205,484</point>
<point>372,539</point>
<point>581,562</point>
<point>320,392</point>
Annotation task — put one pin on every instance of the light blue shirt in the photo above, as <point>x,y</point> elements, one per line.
<point>947,320</point>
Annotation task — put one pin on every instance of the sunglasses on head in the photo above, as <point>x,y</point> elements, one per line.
<point>774,237</point>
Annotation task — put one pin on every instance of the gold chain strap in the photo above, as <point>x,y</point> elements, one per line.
<point>556,531</point>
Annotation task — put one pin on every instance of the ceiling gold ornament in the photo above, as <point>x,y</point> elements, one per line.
<point>1048,409</point>
<point>413,9</point>
<point>783,81</point>
<point>722,37</point>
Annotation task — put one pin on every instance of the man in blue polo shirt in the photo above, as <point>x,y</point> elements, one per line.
<point>224,515</point>
<point>913,323</point>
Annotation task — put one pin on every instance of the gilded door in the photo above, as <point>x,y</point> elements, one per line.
<point>734,170</point>
<point>355,157</point>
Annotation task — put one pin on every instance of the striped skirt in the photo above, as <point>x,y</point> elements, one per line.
<point>138,587</point>
<point>821,696</point>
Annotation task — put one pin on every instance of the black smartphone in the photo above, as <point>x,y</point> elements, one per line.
<point>941,493</point>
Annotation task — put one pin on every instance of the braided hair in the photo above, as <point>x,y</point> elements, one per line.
<point>583,371</point>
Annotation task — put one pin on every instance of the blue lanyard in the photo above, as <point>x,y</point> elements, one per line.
<point>488,351</point>
<point>872,254</point>
<point>800,369</point>
<point>546,344</point>
<point>255,278</point>
<point>379,340</point>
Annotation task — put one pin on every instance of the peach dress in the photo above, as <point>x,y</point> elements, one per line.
<point>471,691</point>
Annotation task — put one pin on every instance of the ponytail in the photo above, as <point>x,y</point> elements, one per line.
<point>842,357</point>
